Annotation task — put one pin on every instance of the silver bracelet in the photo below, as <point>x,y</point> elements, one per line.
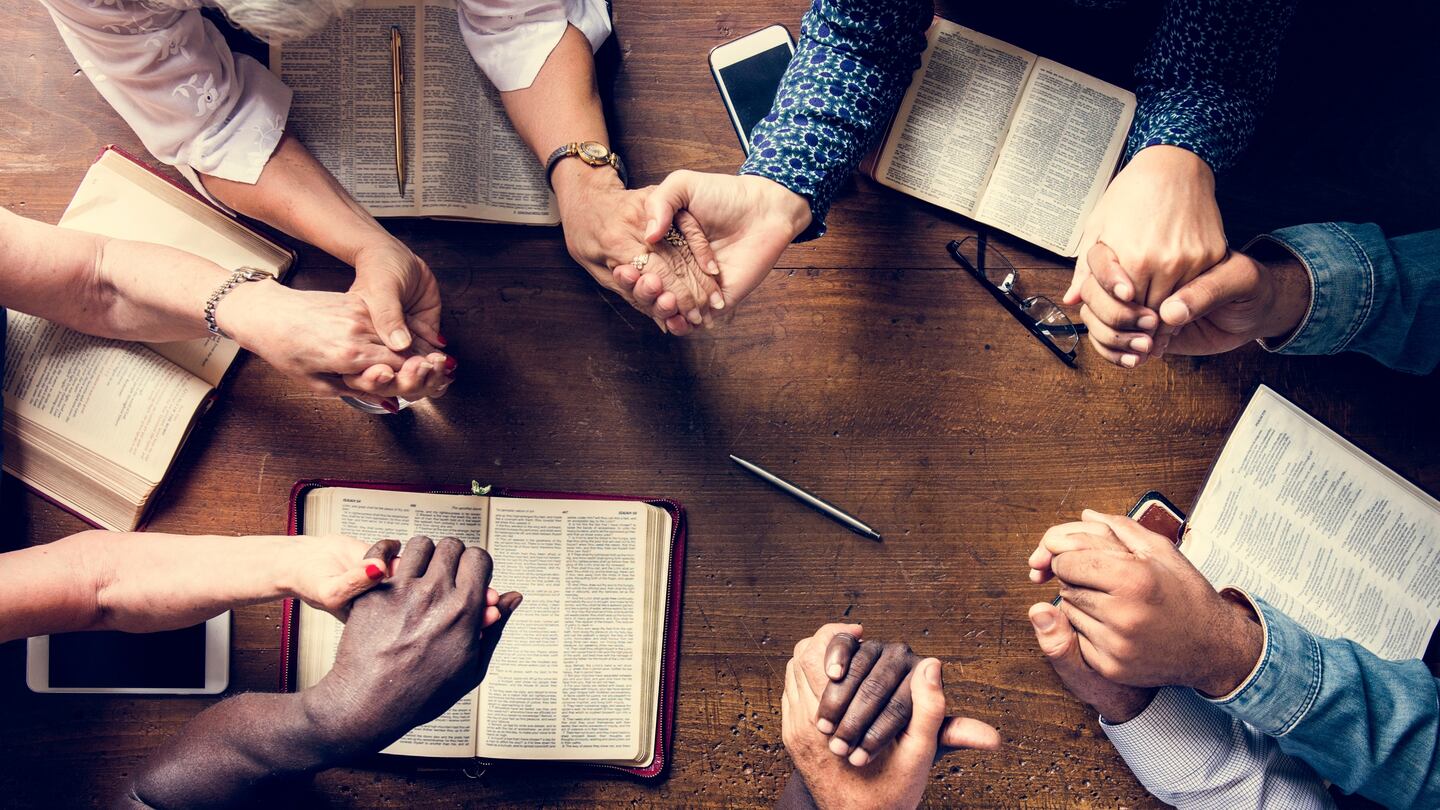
<point>240,276</point>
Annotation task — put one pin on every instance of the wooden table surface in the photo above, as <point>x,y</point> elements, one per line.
<point>867,367</point>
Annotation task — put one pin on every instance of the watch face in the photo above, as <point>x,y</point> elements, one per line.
<point>594,151</point>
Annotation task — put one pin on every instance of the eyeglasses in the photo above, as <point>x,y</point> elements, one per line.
<point>1043,317</point>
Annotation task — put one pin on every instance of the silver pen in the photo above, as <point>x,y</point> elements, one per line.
<point>840,515</point>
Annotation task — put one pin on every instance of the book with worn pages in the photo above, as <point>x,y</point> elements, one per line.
<point>1000,135</point>
<point>93,424</point>
<point>463,158</point>
<point>1297,515</point>
<point>585,673</point>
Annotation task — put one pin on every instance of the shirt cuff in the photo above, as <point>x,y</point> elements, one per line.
<point>1177,736</point>
<point>1285,681</point>
<point>1342,282</point>
<point>239,149</point>
<point>1173,118</point>
<point>512,49</point>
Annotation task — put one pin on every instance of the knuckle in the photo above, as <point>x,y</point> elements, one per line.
<point>872,690</point>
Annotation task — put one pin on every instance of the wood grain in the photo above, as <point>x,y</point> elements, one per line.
<point>867,368</point>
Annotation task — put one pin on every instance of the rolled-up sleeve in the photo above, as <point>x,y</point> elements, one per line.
<point>168,72</point>
<point>511,39</point>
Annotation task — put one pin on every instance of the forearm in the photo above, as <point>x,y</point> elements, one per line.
<point>1366,724</point>
<point>852,65</point>
<point>300,197</point>
<point>138,581</point>
<point>101,286</point>
<point>241,748</point>
<point>562,105</point>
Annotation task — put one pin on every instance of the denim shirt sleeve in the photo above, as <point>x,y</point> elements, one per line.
<point>1369,294</point>
<point>850,69</point>
<point>1207,75</point>
<point>1366,724</point>
<point>1191,755</point>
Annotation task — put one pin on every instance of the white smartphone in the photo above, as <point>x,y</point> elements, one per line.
<point>748,71</point>
<point>189,661</point>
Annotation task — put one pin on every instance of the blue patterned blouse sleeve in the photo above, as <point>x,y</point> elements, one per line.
<point>851,67</point>
<point>1207,74</point>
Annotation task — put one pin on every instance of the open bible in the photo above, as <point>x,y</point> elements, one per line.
<point>1297,515</point>
<point>585,671</point>
<point>94,424</point>
<point>464,160</point>
<point>996,133</point>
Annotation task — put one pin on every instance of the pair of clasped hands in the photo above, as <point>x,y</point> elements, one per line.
<point>1155,274</point>
<point>865,720</point>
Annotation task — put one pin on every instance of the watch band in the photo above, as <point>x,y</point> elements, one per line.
<point>611,159</point>
<point>240,276</point>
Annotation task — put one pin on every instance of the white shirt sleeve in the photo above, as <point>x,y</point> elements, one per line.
<point>170,75</point>
<point>1191,754</point>
<point>511,39</point>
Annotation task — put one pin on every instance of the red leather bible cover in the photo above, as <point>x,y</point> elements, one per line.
<point>670,658</point>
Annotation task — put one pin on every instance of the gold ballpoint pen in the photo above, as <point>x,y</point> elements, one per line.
<point>398,76</point>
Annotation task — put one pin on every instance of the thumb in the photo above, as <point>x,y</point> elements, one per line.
<point>1056,636</point>
<point>927,699</point>
<point>668,199</point>
<point>1224,283</point>
<point>1111,277</point>
<point>387,314</point>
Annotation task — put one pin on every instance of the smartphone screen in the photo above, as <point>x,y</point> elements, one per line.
<point>752,84</point>
<point>105,659</point>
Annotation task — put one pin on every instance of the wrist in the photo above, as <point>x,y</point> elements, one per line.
<point>1175,160</point>
<point>333,714</point>
<point>1293,291</point>
<point>239,313</point>
<point>574,179</point>
<point>784,207</point>
<point>1237,646</point>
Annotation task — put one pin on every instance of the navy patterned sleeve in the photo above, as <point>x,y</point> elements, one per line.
<point>850,70</point>
<point>1207,75</point>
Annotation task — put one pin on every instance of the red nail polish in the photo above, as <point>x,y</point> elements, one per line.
<point>450,365</point>
<point>441,338</point>
<point>374,571</point>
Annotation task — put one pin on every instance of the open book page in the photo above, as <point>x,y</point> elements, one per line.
<point>123,200</point>
<point>343,108</point>
<point>463,158</point>
<point>1059,155</point>
<point>473,162</point>
<point>566,682</point>
<point>954,116</point>
<point>377,514</point>
<point>1299,516</point>
<point>116,399</point>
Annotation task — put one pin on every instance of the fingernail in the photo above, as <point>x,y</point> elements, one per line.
<point>1184,314</point>
<point>650,227</point>
<point>825,726</point>
<point>387,375</point>
<point>713,267</point>
<point>1044,622</point>
<point>717,300</point>
<point>451,364</point>
<point>933,674</point>
<point>399,339</point>
<point>1122,291</point>
<point>1129,360</point>
<point>839,747</point>
<point>373,571</point>
<point>834,672</point>
<point>1147,322</point>
<point>694,316</point>
<point>859,757</point>
<point>441,339</point>
<point>1140,344</point>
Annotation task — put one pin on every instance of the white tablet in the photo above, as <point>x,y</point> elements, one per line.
<point>189,661</point>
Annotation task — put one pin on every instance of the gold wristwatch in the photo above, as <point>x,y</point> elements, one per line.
<point>593,153</point>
